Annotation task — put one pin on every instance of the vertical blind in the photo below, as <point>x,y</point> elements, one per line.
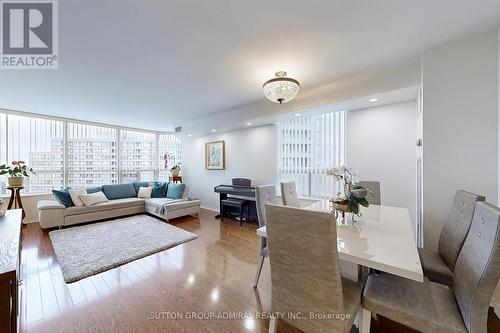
<point>307,148</point>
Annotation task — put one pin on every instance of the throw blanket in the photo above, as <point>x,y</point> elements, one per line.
<point>161,209</point>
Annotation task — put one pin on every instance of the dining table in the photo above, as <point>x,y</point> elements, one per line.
<point>382,238</point>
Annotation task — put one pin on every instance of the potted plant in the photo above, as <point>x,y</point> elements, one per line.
<point>17,171</point>
<point>354,195</point>
<point>175,170</point>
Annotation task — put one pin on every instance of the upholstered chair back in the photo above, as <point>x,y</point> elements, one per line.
<point>478,267</point>
<point>305,272</point>
<point>456,228</point>
<point>289,194</point>
<point>374,187</point>
<point>264,195</point>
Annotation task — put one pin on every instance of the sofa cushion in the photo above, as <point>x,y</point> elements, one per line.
<point>144,192</point>
<point>159,190</point>
<point>119,191</point>
<point>93,198</point>
<point>112,204</point>
<point>175,191</point>
<point>49,204</point>
<point>172,204</point>
<point>95,189</point>
<point>75,196</point>
<point>138,185</point>
<point>63,197</point>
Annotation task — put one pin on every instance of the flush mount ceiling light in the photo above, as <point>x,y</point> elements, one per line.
<point>281,89</point>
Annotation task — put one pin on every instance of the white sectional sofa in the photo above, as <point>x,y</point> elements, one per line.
<point>55,214</point>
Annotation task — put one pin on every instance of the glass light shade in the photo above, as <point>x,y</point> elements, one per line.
<point>281,89</point>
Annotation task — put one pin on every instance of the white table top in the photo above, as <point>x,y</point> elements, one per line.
<point>382,239</point>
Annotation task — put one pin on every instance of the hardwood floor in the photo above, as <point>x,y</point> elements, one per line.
<point>210,275</point>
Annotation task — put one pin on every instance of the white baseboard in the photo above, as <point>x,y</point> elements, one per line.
<point>32,220</point>
<point>210,208</point>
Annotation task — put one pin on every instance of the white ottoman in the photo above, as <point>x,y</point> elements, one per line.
<point>172,208</point>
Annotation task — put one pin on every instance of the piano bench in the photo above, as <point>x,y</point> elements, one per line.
<point>235,203</point>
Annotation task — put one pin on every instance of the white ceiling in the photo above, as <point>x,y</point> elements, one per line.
<point>158,64</point>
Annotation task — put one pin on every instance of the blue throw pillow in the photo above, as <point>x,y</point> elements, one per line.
<point>175,191</point>
<point>119,191</point>
<point>96,189</point>
<point>63,197</point>
<point>159,190</point>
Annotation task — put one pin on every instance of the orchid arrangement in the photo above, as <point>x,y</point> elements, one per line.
<point>354,194</point>
<point>176,167</point>
<point>17,169</point>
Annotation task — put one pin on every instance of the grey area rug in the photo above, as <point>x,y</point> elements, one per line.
<point>90,249</point>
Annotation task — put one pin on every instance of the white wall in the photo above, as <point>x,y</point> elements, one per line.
<point>381,146</point>
<point>460,82</point>
<point>250,153</point>
<point>29,203</point>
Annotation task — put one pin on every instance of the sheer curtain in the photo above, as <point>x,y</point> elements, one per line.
<point>307,147</point>
<point>92,155</point>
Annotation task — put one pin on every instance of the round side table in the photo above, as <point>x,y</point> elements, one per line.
<point>15,198</point>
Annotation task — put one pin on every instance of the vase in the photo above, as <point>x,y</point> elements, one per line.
<point>344,208</point>
<point>175,172</point>
<point>16,181</point>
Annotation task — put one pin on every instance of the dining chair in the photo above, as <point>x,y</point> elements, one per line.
<point>264,195</point>
<point>434,307</point>
<point>289,194</point>
<point>438,266</point>
<point>305,272</point>
<point>374,187</point>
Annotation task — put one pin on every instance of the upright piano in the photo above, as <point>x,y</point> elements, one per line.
<point>246,192</point>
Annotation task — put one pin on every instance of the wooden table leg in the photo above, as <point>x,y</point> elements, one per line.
<point>11,201</point>
<point>19,202</point>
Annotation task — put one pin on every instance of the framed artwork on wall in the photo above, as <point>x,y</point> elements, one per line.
<point>215,155</point>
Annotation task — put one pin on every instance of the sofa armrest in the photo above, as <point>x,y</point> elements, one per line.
<point>49,204</point>
<point>50,213</point>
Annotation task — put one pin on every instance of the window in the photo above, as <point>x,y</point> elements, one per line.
<point>137,156</point>
<point>92,155</point>
<point>76,154</point>
<point>169,154</point>
<point>38,142</point>
<point>307,148</point>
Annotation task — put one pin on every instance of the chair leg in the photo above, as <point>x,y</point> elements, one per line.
<point>365,321</point>
<point>259,269</point>
<point>241,216</point>
<point>273,325</point>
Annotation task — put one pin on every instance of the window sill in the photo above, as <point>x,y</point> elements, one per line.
<point>35,194</point>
